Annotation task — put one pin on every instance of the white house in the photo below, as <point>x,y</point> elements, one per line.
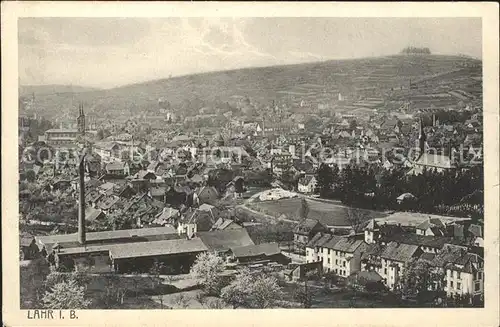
<point>307,184</point>
<point>339,254</point>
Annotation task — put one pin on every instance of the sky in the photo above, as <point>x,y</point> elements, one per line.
<point>109,52</point>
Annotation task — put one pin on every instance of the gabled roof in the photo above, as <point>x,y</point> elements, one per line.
<point>307,225</point>
<point>399,252</point>
<point>92,214</point>
<point>366,276</point>
<point>307,179</point>
<point>165,215</point>
<point>118,165</point>
<point>157,191</point>
<point>107,202</point>
<point>92,196</point>
<point>203,219</point>
<point>267,249</point>
<point>372,225</point>
<point>148,249</point>
<point>222,224</point>
<point>71,240</point>
<point>435,161</point>
<point>347,244</point>
<point>224,240</point>
<point>476,230</point>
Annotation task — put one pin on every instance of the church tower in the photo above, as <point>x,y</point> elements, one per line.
<point>81,120</point>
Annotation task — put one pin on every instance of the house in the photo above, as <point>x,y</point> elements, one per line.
<point>224,224</point>
<point>93,214</point>
<point>158,193</point>
<point>339,254</point>
<point>307,184</point>
<point>108,151</point>
<point>305,230</point>
<point>107,188</point>
<point>177,254</point>
<point>124,191</point>
<point>236,187</point>
<point>476,232</point>
<point>392,259</point>
<point>194,221</point>
<point>464,271</point>
<point>118,168</point>
<point>366,281</point>
<point>92,197</point>
<point>168,215</point>
<point>206,194</point>
<point>144,175</point>
<point>107,202</point>
<point>261,253</point>
<point>431,227</point>
<point>221,241</point>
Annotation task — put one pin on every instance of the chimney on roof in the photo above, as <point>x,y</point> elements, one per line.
<point>81,200</point>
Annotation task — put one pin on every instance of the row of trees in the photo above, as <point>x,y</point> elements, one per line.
<point>415,50</point>
<point>376,188</point>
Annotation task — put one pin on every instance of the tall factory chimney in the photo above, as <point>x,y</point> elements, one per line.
<point>81,200</point>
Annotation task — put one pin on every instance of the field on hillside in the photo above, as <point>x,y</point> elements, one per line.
<point>314,83</point>
<point>328,213</point>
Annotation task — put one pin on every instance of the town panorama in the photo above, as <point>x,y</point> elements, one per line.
<point>332,184</point>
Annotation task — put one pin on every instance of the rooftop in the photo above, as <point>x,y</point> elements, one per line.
<point>267,249</point>
<point>71,240</point>
<point>224,240</point>
<point>147,249</point>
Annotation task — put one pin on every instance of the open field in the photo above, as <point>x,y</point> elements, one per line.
<point>327,213</point>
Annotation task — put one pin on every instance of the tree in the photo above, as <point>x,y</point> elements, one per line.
<point>303,297</point>
<point>356,217</point>
<point>303,210</point>
<point>252,290</point>
<point>208,269</point>
<point>66,295</point>
<point>30,176</point>
<point>156,270</point>
<point>419,277</point>
<point>325,178</point>
<point>265,292</point>
<point>181,301</point>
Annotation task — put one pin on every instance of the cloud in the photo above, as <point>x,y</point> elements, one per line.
<point>114,51</point>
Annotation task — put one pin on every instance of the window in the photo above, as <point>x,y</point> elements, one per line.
<point>458,285</point>
<point>477,287</point>
<point>343,264</point>
<point>479,275</point>
<point>336,271</point>
<point>328,253</point>
<point>458,274</point>
<point>451,283</point>
<point>385,271</point>
<point>336,261</point>
<point>328,262</point>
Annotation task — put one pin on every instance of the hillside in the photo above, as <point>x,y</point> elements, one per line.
<point>314,83</point>
<point>28,90</point>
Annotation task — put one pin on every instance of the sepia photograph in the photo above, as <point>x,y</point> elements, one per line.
<point>250,163</point>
